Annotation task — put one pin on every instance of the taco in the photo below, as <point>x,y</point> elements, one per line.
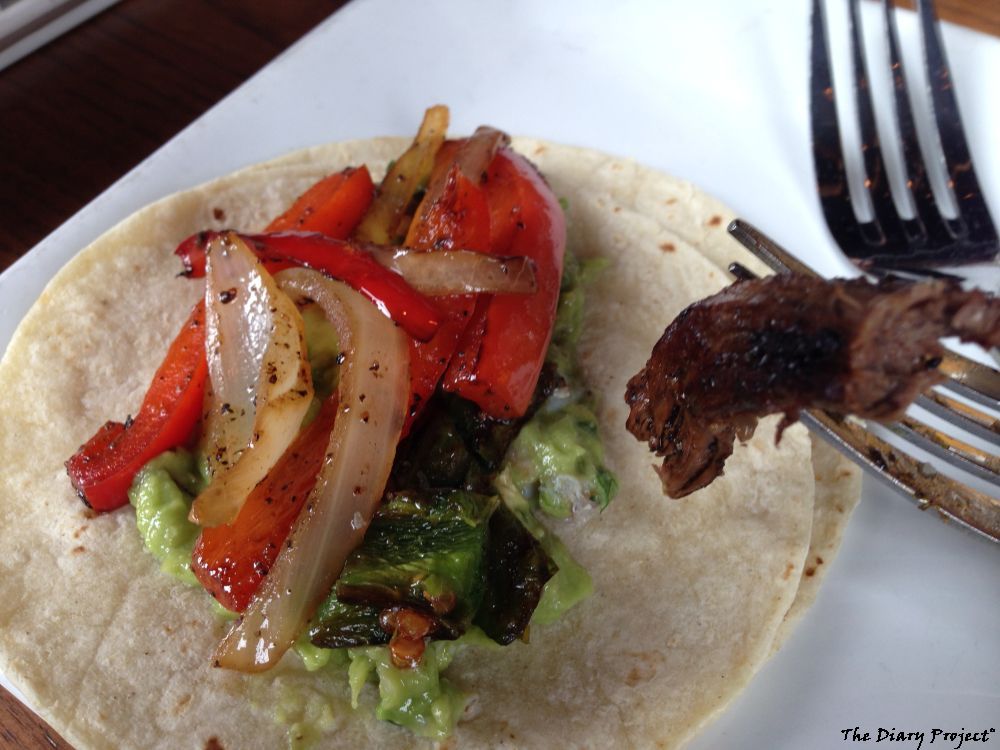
<point>688,597</point>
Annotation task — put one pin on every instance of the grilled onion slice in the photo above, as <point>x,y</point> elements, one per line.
<point>445,272</point>
<point>387,218</point>
<point>373,389</point>
<point>261,385</point>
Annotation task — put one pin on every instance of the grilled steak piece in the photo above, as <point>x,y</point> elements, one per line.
<point>790,342</point>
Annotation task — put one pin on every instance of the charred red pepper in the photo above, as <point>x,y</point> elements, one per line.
<point>103,469</point>
<point>416,314</point>
<point>501,354</point>
<point>454,214</point>
<point>231,561</point>
<point>334,206</point>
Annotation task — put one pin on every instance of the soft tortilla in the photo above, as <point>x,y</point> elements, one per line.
<point>689,595</point>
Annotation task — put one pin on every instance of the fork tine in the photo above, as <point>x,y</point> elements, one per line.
<point>971,205</point>
<point>961,415</point>
<point>763,247</point>
<point>972,380</point>
<point>956,452</point>
<point>886,233</point>
<point>929,228</point>
<point>828,155</point>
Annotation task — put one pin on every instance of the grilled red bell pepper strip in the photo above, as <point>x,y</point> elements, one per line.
<point>334,206</point>
<point>103,469</point>
<point>414,312</point>
<point>231,561</point>
<point>193,253</point>
<point>502,351</point>
<point>342,260</point>
<point>454,214</point>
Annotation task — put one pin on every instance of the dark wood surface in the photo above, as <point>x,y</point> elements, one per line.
<point>78,114</point>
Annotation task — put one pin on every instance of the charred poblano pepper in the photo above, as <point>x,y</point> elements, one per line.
<point>424,550</point>
<point>517,571</point>
<point>341,625</point>
<point>459,446</point>
<point>455,556</point>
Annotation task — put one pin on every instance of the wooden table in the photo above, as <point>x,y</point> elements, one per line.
<point>95,102</point>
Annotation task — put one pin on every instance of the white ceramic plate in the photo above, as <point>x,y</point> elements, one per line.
<point>906,630</point>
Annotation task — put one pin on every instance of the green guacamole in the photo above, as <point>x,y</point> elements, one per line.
<point>419,699</point>
<point>556,461</point>
<point>161,494</point>
<point>568,325</point>
<point>323,348</point>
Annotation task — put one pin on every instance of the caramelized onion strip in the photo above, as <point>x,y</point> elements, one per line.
<point>373,390</point>
<point>261,384</point>
<point>387,216</point>
<point>458,271</point>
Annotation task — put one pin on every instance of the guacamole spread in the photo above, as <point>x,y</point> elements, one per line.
<point>161,495</point>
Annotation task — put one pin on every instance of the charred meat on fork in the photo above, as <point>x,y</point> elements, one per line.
<point>791,342</point>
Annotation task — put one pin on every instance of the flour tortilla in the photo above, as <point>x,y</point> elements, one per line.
<point>689,595</point>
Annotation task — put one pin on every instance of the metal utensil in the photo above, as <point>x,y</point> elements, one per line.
<point>918,480</point>
<point>929,239</point>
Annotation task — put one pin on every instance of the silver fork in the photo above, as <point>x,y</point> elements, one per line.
<point>918,480</point>
<point>929,239</point>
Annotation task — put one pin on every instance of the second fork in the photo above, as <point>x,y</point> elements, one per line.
<point>890,240</point>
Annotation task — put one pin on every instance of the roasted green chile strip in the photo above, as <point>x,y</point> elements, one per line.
<point>454,555</point>
<point>517,571</point>
<point>340,625</point>
<point>423,550</point>
<point>458,446</point>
